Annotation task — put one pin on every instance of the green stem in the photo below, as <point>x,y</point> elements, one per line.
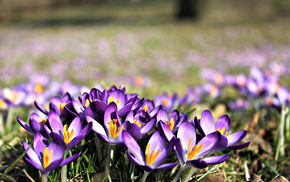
<point>189,174</point>
<point>282,127</point>
<point>98,148</point>
<point>64,170</point>
<point>43,178</point>
<point>108,160</point>
<point>145,176</point>
<point>181,170</point>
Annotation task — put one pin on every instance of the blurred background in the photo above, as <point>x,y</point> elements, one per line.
<point>162,44</point>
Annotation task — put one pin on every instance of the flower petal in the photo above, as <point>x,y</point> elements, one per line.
<point>236,137</point>
<point>207,122</point>
<point>167,166</point>
<point>216,159</point>
<point>55,122</point>
<point>186,132</point>
<point>223,122</point>
<point>24,125</point>
<point>239,146</point>
<point>209,143</point>
<point>70,159</point>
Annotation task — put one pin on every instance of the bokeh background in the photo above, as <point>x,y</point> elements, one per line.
<point>164,42</point>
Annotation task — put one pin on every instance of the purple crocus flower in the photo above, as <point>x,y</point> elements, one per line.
<point>36,123</point>
<point>111,130</point>
<point>68,136</point>
<point>169,101</point>
<point>206,126</point>
<point>46,157</point>
<point>189,152</point>
<point>155,152</point>
<point>138,125</point>
<point>169,125</point>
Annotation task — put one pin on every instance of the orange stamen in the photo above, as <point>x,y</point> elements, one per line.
<point>38,89</point>
<point>46,158</point>
<point>165,102</point>
<point>42,122</point>
<point>151,158</point>
<point>171,124</point>
<point>222,131</point>
<point>195,150</point>
<point>61,107</point>
<point>145,108</point>
<point>112,100</point>
<point>113,128</point>
<point>66,135</point>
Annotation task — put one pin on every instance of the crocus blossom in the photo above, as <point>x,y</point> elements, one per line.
<point>46,157</point>
<point>154,155</point>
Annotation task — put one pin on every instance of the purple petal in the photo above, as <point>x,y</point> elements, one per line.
<point>99,106</point>
<point>77,125</point>
<point>133,159</point>
<point>24,125</point>
<point>207,122</point>
<point>57,151</point>
<point>156,142</point>
<point>198,163</point>
<point>124,110</point>
<point>198,127</point>
<point>132,145</point>
<point>130,116</point>
<point>40,108</point>
<point>216,159</point>
<point>148,126</point>
<point>167,166</point>
<point>162,115</point>
<point>236,137</point>
<point>70,159</point>
<point>39,143</point>
<point>55,122</point>
<point>116,95</point>
<point>186,132</point>
<point>239,146</point>
<point>32,156</point>
<point>34,164</point>
<point>77,106</point>
<point>180,152</point>
<point>98,128</point>
<point>52,166</point>
<point>76,140</point>
<point>166,130</point>
<point>57,137</point>
<point>112,107</point>
<point>210,142</point>
<point>86,130</point>
<point>164,153</point>
<point>223,122</point>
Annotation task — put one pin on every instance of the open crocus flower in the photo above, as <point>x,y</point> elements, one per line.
<point>155,152</point>
<point>206,125</point>
<point>112,128</point>
<point>189,152</point>
<point>168,101</point>
<point>68,136</point>
<point>46,157</point>
<point>36,123</point>
<point>169,125</point>
<point>138,125</point>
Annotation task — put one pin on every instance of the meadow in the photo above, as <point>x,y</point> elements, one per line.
<point>234,60</point>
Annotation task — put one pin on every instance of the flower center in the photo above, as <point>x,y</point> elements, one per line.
<point>42,122</point>
<point>145,108</point>
<point>87,103</point>
<point>61,107</point>
<point>194,151</point>
<point>38,89</point>
<point>222,131</point>
<point>67,136</point>
<point>151,158</point>
<point>137,122</point>
<point>46,157</point>
<point>171,124</point>
<point>113,128</point>
<point>112,100</point>
<point>165,102</point>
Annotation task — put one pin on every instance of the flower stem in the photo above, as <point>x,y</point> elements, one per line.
<point>181,170</point>
<point>64,169</point>
<point>98,148</point>
<point>43,178</point>
<point>189,174</point>
<point>108,160</point>
<point>145,176</point>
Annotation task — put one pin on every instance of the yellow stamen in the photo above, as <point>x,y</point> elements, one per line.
<point>171,124</point>
<point>38,89</point>
<point>195,150</point>
<point>151,158</point>
<point>165,121</point>
<point>145,108</point>
<point>46,158</point>
<point>87,103</point>
<point>66,135</point>
<point>61,107</point>
<point>113,128</point>
<point>137,122</point>
<point>165,102</point>
<point>43,122</point>
<point>112,100</point>
<point>222,131</point>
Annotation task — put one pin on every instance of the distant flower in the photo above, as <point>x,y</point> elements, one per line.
<point>46,157</point>
<point>155,153</point>
<point>167,100</point>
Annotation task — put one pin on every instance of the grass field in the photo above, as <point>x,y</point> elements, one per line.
<point>112,43</point>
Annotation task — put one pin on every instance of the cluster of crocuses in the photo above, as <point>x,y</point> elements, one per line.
<point>260,85</point>
<point>40,88</point>
<point>122,119</point>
